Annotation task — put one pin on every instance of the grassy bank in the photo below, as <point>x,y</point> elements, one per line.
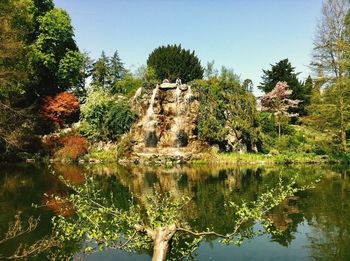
<point>258,158</point>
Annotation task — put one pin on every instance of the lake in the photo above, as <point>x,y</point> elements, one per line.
<point>315,223</point>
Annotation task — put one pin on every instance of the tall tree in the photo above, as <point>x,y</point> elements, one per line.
<point>172,61</point>
<point>101,72</point>
<point>55,57</point>
<point>331,61</point>
<point>13,62</point>
<point>329,53</point>
<point>117,70</point>
<point>15,122</point>
<point>282,71</point>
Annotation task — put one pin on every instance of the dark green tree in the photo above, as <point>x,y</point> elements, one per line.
<point>117,70</point>
<point>283,71</point>
<point>280,72</point>
<point>101,71</point>
<point>172,61</point>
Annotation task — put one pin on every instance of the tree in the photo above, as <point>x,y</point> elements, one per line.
<point>55,57</point>
<point>331,61</point>
<point>172,61</point>
<point>16,122</point>
<point>277,102</point>
<point>117,69</point>
<point>329,53</point>
<point>280,72</point>
<point>101,72</point>
<point>227,114</point>
<point>60,108</point>
<point>210,70</point>
<point>158,224</point>
<point>105,117</point>
<point>13,61</point>
<point>330,110</point>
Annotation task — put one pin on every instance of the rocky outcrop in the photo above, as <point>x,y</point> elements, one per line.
<point>168,122</point>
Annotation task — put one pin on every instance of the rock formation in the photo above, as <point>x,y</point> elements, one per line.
<point>168,121</point>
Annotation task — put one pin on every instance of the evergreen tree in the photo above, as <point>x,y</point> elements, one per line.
<point>280,72</point>
<point>172,61</point>
<point>101,72</point>
<point>117,70</point>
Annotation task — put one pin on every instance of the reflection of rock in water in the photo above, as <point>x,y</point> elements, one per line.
<point>168,121</point>
<point>182,139</point>
<point>151,139</point>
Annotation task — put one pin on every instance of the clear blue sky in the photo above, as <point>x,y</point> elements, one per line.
<point>246,35</point>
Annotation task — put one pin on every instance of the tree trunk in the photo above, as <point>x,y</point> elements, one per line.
<point>161,238</point>
<point>279,130</point>
<point>342,125</point>
<point>343,139</point>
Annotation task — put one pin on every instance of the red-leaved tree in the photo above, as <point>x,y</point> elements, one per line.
<point>277,102</point>
<point>60,108</point>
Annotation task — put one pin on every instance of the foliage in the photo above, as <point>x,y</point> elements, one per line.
<point>330,49</point>
<point>284,72</point>
<point>55,60</point>
<point>60,108</point>
<point>227,115</point>
<point>13,59</point>
<point>107,71</point>
<point>331,111</point>
<point>73,148</point>
<point>160,221</point>
<point>65,146</point>
<point>127,85</point>
<point>278,102</point>
<point>280,72</point>
<point>105,117</point>
<point>172,61</point>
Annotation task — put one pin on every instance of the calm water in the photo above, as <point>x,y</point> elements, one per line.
<point>316,222</point>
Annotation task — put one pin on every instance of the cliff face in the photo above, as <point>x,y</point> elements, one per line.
<point>168,121</point>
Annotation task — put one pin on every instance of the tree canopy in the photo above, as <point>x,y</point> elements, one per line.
<point>172,61</point>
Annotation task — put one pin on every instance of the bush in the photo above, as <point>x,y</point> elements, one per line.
<point>65,146</point>
<point>73,148</point>
<point>105,118</point>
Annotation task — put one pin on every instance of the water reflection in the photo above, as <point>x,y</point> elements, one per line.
<point>316,223</point>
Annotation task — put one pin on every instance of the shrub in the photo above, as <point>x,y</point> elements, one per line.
<point>73,148</point>
<point>61,108</point>
<point>105,118</point>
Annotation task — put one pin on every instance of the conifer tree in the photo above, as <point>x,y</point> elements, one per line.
<point>172,61</point>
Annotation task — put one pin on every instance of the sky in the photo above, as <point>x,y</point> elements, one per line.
<point>245,35</point>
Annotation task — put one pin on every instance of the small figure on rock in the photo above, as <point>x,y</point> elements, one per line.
<point>178,81</point>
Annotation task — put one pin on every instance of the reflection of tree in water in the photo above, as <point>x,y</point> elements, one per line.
<point>327,211</point>
<point>20,187</point>
<point>211,187</point>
